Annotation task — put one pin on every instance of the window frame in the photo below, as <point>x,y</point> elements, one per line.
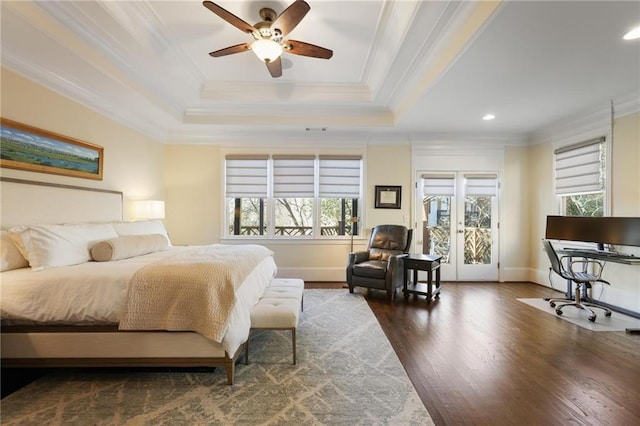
<point>560,199</point>
<point>270,201</point>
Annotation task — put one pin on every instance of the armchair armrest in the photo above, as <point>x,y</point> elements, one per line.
<point>358,257</point>
<point>395,270</point>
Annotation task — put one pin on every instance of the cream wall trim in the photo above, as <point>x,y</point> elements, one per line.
<point>516,274</point>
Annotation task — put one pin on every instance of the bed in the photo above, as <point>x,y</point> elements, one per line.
<point>65,312</point>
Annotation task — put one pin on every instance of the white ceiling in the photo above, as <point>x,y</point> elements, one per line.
<point>401,70</point>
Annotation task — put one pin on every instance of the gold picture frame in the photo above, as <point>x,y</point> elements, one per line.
<point>29,148</point>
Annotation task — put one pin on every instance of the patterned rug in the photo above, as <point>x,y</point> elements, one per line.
<point>347,374</point>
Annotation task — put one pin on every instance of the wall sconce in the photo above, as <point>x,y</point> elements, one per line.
<point>149,209</point>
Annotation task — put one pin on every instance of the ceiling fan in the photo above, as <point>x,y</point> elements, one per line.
<point>268,34</point>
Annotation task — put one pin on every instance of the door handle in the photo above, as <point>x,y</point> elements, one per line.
<point>460,231</point>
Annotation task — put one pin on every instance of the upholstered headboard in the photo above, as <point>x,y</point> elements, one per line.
<point>33,202</point>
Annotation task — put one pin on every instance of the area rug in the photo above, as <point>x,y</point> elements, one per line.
<point>617,321</point>
<point>347,374</point>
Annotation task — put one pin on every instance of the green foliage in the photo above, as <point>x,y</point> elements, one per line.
<point>587,205</point>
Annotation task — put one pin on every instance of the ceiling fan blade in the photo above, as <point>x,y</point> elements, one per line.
<point>291,16</point>
<point>238,48</point>
<point>275,67</point>
<point>229,17</point>
<point>307,49</point>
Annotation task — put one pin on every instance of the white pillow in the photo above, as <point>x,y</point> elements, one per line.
<point>141,227</point>
<point>128,246</point>
<point>49,246</point>
<point>11,256</point>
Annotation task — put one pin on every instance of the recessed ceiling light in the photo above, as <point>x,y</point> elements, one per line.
<point>488,117</point>
<point>633,34</point>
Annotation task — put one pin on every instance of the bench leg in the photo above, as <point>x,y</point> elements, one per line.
<point>293,341</point>
<point>246,349</point>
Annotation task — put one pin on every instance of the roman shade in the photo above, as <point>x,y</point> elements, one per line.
<point>578,168</point>
<point>246,176</point>
<point>481,185</point>
<point>339,177</point>
<point>293,176</point>
<point>438,185</point>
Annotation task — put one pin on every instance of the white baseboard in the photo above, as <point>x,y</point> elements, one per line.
<point>314,274</point>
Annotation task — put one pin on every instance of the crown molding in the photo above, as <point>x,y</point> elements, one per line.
<point>588,120</point>
<point>291,115</point>
<point>286,91</point>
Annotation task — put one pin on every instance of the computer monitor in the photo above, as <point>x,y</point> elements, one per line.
<point>622,231</point>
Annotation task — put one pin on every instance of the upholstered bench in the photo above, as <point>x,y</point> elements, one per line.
<point>278,309</point>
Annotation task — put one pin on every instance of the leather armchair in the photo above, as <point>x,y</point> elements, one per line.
<point>380,266</point>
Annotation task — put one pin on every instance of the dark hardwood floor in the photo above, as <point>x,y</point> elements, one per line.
<point>477,356</point>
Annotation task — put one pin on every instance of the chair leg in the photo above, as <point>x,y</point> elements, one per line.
<point>580,304</point>
<point>607,311</point>
<point>350,289</point>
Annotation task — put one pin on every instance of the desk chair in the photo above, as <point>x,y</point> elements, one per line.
<point>580,278</point>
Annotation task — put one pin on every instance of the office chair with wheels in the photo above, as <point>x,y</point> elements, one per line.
<point>580,278</point>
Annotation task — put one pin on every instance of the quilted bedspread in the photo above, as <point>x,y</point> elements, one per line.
<point>191,291</point>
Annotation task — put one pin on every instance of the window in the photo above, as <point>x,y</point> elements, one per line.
<point>246,194</point>
<point>580,171</point>
<point>292,196</point>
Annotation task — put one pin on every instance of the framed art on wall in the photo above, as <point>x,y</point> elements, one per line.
<point>388,197</point>
<point>29,148</point>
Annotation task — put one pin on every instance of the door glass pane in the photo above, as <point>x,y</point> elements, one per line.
<point>477,230</point>
<point>436,225</point>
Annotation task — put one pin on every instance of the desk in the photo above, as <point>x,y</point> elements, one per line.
<point>421,262</point>
<point>607,256</point>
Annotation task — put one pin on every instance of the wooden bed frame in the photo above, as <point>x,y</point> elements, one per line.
<point>91,346</point>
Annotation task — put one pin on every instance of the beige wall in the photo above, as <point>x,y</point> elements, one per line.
<point>625,166</point>
<point>193,175</point>
<point>193,198</point>
<point>189,178</point>
<point>388,166</point>
<point>514,226</point>
<point>625,201</point>
<point>133,163</point>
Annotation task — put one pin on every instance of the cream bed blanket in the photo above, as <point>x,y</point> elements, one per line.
<point>191,291</point>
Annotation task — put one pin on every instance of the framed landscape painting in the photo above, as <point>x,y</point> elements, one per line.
<point>29,148</point>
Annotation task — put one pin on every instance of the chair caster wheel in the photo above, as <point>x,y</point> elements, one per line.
<point>552,304</point>
<point>558,311</point>
<point>592,318</point>
<point>607,314</point>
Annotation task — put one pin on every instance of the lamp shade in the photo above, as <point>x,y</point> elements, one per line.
<point>267,50</point>
<point>149,209</point>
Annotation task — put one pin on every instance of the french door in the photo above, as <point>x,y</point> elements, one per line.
<point>457,218</point>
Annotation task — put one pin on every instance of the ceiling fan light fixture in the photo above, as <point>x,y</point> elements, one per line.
<point>633,34</point>
<point>266,50</point>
